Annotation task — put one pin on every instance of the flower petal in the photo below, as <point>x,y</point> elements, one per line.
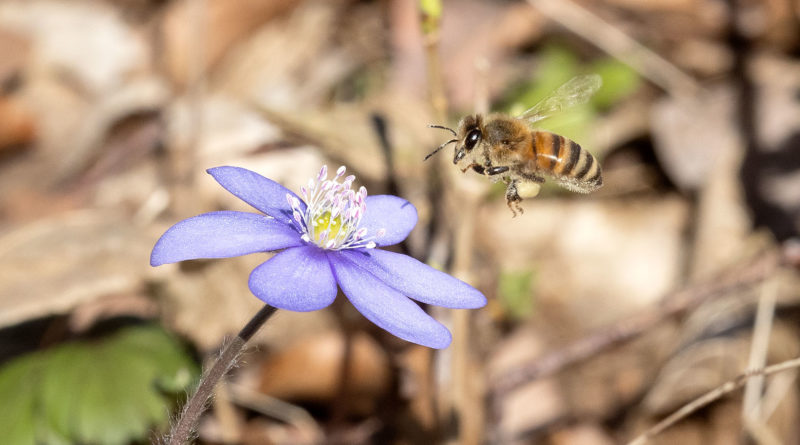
<point>222,235</point>
<point>261,193</point>
<point>297,279</point>
<point>395,215</point>
<point>387,307</point>
<point>416,279</point>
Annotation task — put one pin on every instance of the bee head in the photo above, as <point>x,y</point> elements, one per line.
<point>466,138</point>
<point>470,134</point>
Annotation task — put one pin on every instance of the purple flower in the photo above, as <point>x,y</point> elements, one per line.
<point>328,238</point>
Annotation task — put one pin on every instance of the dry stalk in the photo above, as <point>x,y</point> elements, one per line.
<point>673,305</point>
<point>711,396</point>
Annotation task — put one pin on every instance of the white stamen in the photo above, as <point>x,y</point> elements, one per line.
<point>333,212</point>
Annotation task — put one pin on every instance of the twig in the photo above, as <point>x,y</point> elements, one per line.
<point>431,12</point>
<point>183,430</point>
<point>610,39</point>
<point>760,432</point>
<point>468,394</point>
<point>765,313</point>
<point>430,17</point>
<point>673,305</point>
<point>711,396</point>
<point>278,409</point>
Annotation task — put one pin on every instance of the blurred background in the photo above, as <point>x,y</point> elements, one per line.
<point>607,312</point>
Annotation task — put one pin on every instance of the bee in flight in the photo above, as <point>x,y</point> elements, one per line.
<point>509,148</point>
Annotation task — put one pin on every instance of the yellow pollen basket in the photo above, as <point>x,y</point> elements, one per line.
<point>323,222</point>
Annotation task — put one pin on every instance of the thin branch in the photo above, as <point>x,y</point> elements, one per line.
<point>278,409</point>
<point>429,404</point>
<point>613,41</point>
<point>711,396</point>
<point>673,305</point>
<point>765,314</point>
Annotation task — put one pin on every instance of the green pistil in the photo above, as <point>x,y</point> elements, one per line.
<point>325,222</point>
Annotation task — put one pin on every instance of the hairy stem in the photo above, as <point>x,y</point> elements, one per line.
<point>184,428</point>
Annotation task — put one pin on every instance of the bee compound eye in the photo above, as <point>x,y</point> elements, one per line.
<point>472,139</point>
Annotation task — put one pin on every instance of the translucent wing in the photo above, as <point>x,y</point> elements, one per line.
<point>576,91</point>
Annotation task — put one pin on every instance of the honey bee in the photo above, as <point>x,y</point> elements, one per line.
<point>509,148</point>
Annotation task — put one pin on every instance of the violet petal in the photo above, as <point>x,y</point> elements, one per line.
<point>417,280</point>
<point>222,235</point>
<point>297,279</point>
<point>387,307</point>
<point>263,194</point>
<point>396,215</point>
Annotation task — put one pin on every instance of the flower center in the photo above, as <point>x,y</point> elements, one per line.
<point>333,213</point>
<point>323,222</point>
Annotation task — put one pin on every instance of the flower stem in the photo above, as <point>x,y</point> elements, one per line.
<point>182,430</point>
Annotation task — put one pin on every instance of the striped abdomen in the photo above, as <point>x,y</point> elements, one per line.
<point>572,166</point>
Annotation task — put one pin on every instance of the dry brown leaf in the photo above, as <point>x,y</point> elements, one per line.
<point>58,263</point>
<point>496,31</point>
<point>196,38</point>
<point>582,434</point>
<point>599,260</point>
<point>260,70</point>
<point>15,50</point>
<point>517,412</point>
<point>691,134</point>
<point>707,363</point>
<point>88,69</point>
<point>309,369</point>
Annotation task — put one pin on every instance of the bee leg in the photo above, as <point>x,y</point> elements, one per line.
<point>491,171</point>
<point>513,199</point>
<point>477,167</point>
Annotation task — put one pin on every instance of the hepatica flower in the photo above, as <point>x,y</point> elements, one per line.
<point>328,237</point>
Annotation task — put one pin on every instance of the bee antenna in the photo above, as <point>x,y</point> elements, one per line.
<point>439,148</point>
<point>443,128</point>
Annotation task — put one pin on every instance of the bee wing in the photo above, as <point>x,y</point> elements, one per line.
<point>575,91</point>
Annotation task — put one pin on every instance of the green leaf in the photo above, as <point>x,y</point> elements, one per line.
<point>514,290</point>
<point>61,369</point>
<point>619,81</point>
<point>17,382</point>
<point>557,65</point>
<point>103,392</point>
